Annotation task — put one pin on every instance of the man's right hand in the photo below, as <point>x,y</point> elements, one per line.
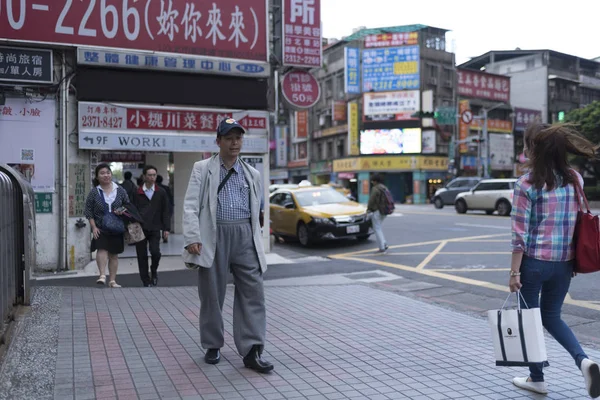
<point>195,248</point>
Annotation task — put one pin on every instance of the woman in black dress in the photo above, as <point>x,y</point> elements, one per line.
<point>106,196</point>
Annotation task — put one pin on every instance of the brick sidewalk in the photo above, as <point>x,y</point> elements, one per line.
<point>327,342</point>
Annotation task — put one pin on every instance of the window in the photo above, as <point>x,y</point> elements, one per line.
<point>317,197</point>
<point>340,149</point>
<point>319,152</point>
<point>286,200</point>
<point>276,199</point>
<point>493,186</point>
<point>329,154</point>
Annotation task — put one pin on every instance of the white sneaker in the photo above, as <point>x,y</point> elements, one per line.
<point>591,375</point>
<point>537,387</point>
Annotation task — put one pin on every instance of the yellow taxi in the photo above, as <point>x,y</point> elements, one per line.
<point>316,213</point>
<point>339,188</point>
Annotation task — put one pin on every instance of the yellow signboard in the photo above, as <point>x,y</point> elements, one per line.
<point>390,163</point>
<point>353,139</point>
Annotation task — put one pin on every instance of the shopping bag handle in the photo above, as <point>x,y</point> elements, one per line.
<point>519,297</point>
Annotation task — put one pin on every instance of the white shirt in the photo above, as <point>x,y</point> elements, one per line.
<point>149,191</point>
<point>109,198</point>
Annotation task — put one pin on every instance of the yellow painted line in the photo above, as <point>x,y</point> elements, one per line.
<point>469,269</point>
<point>467,281</point>
<point>399,246</point>
<point>431,255</point>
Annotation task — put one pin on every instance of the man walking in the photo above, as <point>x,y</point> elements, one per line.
<point>128,185</point>
<point>222,234</point>
<point>378,205</point>
<point>152,203</point>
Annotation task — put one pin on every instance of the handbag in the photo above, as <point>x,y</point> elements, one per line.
<point>518,335</point>
<point>112,224</point>
<point>134,233</point>
<point>587,235</point>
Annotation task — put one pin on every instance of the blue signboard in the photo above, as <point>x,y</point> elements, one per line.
<point>351,65</point>
<point>387,69</point>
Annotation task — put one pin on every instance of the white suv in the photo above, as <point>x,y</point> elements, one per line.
<point>488,195</point>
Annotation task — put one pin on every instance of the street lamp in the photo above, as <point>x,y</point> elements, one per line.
<point>486,138</point>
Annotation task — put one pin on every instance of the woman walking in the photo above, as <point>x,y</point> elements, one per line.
<point>543,224</point>
<point>106,197</point>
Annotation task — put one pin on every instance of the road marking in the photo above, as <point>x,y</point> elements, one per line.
<point>483,226</point>
<point>458,253</point>
<point>486,241</point>
<point>431,255</point>
<point>469,269</point>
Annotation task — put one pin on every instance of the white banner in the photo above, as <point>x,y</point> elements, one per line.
<point>27,140</point>
<point>428,139</point>
<point>401,105</point>
<point>502,151</point>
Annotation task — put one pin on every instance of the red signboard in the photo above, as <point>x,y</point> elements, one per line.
<point>339,110</point>
<point>107,117</point>
<point>392,39</point>
<point>482,85</point>
<point>302,38</point>
<point>227,28</point>
<point>300,89</point>
<point>301,124</point>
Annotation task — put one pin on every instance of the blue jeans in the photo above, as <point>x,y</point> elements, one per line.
<point>553,280</point>
<point>377,221</point>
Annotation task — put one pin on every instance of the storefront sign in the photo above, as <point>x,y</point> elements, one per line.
<point>346,175</point>
<point>392,39</point>
<point>302,40</point>
<point>391,163</point>
<point>463,128</point>
<point>300,89</point>
<point>27,140</point>
<point>338,110</point>
<point>352,68</point>
<point>390,141</point>
<point>281,151</point>
<point>525,116</point>
<point>391,106</point>
<point>25,65</point>
<point>43,203</point>
<point>298,164</point>
<point>164,142</point>
<point>109,117</point>
<point>124,157</point>
<point>172,62</point>
<point>395,68</point>
<point>334,130</point>
<point>301,124</point>
<point>482,85</point>
<point>494,125</point>
<point>279,174</point>
<point>353,132</point>
<point>79,184</point>
<point>227,28</point>
<point>428,138</point>
<point>321,167</point>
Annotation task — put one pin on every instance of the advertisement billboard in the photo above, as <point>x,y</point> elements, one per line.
<point>392,39</point>
<point>390,141</point>
<point>502,152</point>
<point>391,106</point>
<point>482,85</point>
<point>388,69</point>
<point>227,28</point>
<point>525,116</point>
<point>353,134</point>
<point>302,39</point>
<point>26,65</point>
<point>351,70</point>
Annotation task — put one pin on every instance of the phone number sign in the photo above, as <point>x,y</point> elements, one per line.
<point>228,28</point>
<point>391,69</point>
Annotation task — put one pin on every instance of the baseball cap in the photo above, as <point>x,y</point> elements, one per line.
<point>227,125</point>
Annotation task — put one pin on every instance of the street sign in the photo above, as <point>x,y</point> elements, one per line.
<point>445,115</point>
<point>300,89</point>
<point>43,203</point>
<point>466,116</point>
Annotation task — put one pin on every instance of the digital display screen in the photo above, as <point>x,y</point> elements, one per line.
<point>390,141</point>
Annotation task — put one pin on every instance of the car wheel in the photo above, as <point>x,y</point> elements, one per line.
<point>503,208</point>
<point>438,203</point>
<point>362,238</point>
<point>460,206</point>
<point>489,212</point>
<point>302,234</point>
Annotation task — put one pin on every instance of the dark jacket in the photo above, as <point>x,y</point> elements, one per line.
<point>375,198</point>
<point>170,196</point>
<point>156,212</point>
<point>129,187</point>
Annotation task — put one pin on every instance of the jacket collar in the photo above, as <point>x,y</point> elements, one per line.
<point>141,188</point>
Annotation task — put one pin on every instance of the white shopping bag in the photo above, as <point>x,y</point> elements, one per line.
<point>518,335</point>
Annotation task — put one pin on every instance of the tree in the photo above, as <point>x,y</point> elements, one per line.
<point>587,120</point>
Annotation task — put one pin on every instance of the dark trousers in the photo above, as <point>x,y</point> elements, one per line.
<point>152,239</point>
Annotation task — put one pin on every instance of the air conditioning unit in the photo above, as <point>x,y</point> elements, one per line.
<point>433,81</point>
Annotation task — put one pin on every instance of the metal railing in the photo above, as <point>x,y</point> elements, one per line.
<point>17,241</point>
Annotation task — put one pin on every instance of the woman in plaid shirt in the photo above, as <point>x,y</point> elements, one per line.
<point>543,217</point>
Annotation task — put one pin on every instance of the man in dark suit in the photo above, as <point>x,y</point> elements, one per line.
<point>154,206</point>
<point>159,182</point>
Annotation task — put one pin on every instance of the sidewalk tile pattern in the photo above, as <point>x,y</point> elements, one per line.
<point>327,342</point>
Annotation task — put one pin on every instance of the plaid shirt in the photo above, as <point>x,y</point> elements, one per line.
<point>234,198</point>
<point>543,222</point>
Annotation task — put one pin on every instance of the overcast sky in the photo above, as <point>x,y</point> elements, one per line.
<point>571,27</point>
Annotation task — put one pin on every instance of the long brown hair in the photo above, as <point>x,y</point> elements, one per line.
<point>547,149</point>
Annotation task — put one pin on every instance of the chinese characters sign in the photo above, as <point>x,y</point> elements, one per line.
<point>43,203</point>
<point>351,72</point>
<point>78,188</point>
<point>463,128</point>
<point>25,65</point>
<point>227,28</point>
<point>172,62</point>
<point>494,125</point>
<point>301,124</point>
<point>389,69</point>
<point>391,106</point>
<point>353,135</point>
<point>525,116</point>
<point>302,33</point>
<point>339,110</point>
<point>482,85</point>
<point>392,39</point>
<point>300,89</point>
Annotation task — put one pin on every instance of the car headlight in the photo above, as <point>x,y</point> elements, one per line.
<point>322,220</point>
